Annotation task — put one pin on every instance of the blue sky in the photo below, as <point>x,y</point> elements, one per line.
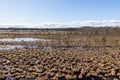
<point>61,11</point>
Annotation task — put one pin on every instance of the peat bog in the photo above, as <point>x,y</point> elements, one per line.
<point>85,53</point>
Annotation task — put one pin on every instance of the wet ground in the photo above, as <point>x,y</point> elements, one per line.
<point>21,39</point>
<point>15,46</point>
<point>8,47</point>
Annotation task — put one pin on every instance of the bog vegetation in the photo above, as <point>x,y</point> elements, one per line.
<point>86,53</point>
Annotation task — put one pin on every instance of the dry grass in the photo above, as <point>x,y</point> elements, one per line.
<point>92,63</point>
<point>57,63</point>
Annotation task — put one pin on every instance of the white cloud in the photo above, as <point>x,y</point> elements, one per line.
<point>66,25</point>
<point>98,23</point>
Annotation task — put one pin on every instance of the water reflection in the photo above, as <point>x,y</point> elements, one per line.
<point>8,47</point>
<point>15,47</point>
<point>22,39</point>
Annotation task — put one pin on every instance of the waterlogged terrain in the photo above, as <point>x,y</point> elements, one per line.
<point>8,47</point>
<point>80,54</point>
<point>11,47</point>
<point>21,39</point>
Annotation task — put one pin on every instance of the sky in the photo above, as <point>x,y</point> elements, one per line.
<point>58,11</point>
